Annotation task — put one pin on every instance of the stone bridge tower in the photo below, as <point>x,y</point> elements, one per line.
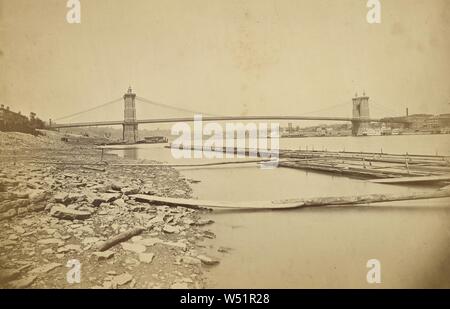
<point>130,127</point>
<point>361,111</point>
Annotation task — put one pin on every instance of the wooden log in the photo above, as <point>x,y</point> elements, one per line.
<point>293,203</point>
<point>419,179</point>
<point>118,239</point>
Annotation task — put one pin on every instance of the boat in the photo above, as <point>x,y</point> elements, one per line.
<point>371,132</point>
<point>153,140</point>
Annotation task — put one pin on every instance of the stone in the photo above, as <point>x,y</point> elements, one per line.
<point>120,202</point>
<point>22,210</point>
<point>19,229</point>
<point>50,241</point>
<point>45,269</point>
<point>86,229</point>
<point>8,275</point>
<point>148,242</point>
<point>47,251</point>
<point>209,234</point>
<point>90,240</point>
<point>36,207</point>
<point>49,231</point>
<point>139,208</point>
<point>146,257</point>
<point>95,200</point>
<point>130,190</point>
<point>188,221</point>
<point>8,214</point>
<point>68,248</point>
<point>107,285</point>
<point>75,198</point>
<point>178,192</point>
<point>207,260</point>
<point>105,255</point>
<point>62,212</point>
<point>190,260</point>
<point>60,197</point>
<point>170,229</point>
<point>178,244</point>
<point>111,197</point>
<point>13,237</point>
<point>223,249</point>
<point>122,279</point>
<point>202,222</point>
<point>179,285</point>
<point>137,248</point>
<point>22,283</point>
<point>39,196</point>
<point>117,186</point>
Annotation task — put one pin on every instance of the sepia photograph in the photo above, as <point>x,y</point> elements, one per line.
<point>196,145</point>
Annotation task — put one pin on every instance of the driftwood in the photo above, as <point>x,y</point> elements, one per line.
<point>293,203</point>
<point>93,168</point>
<point>118,239</point>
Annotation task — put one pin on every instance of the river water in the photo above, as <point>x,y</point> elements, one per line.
<point>323,247</point>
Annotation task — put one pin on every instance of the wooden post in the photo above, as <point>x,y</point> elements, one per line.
<point>406,163</point>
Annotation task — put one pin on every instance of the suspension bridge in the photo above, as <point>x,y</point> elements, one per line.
<point>360,117</point>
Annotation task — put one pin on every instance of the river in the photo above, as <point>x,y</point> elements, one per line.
<point>327,247</point>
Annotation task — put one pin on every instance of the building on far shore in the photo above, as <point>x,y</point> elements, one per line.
<point>16,122</point>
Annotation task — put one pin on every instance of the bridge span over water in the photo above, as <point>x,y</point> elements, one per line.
<point>360,119</point>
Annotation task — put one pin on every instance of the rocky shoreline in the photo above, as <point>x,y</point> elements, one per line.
<point>60,203</point>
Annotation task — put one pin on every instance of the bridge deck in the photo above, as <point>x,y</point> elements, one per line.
<point>222,118</point>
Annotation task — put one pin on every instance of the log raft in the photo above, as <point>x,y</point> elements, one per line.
<point>363,165</point>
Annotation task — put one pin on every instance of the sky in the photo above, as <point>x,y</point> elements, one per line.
<point>225,57</point>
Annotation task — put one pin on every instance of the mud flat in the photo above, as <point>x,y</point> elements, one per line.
<point>61,202</point>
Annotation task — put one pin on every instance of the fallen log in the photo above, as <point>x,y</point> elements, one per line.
<point>93,168</point>
<point>118,239</point>
<point>293,203</point>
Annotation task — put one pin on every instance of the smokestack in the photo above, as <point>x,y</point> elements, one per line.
<point>407,112</point>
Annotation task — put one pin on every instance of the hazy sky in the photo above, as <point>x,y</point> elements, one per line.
<point>225,56</point>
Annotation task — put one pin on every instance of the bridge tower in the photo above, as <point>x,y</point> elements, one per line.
<point>361,111</point>
<point>130,127</point>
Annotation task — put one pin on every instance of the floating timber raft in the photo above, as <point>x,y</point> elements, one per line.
<point>292,203</point>
<point>383,167</point>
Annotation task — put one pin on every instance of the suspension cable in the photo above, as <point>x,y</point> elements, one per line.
<point>144,100</point>
<point>89,110</point>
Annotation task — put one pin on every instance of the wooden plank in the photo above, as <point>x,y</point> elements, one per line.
<point>412,179</point>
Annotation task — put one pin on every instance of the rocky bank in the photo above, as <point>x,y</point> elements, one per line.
<point>60,202</point>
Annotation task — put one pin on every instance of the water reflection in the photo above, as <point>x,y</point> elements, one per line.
<point>130,153</point>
